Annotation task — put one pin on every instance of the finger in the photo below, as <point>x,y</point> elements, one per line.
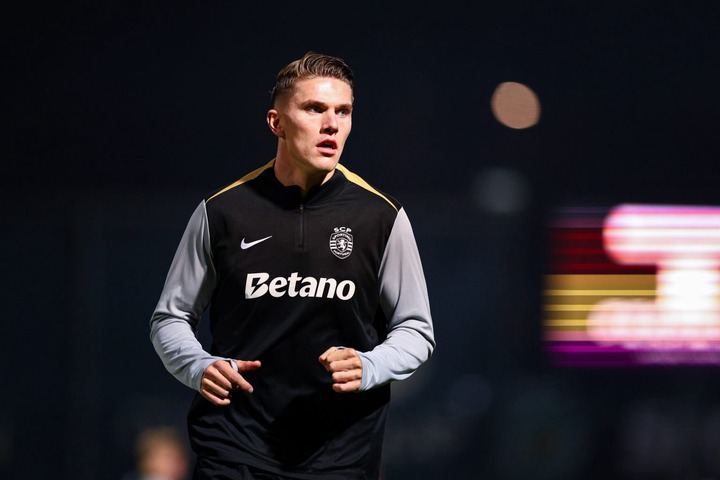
<point>353,386</point>
<point>221,390</point>
<point>244,385</point>
<point>214,399</point>
<point>337,353</point>
<point>217,394</point>
<point>235,367</point>
<point>353,363</point>
<point>324,357</point>
<point>238,381</point>
<point>220,373</point>
<point>347,376</point>
<point>220,378</point>
<point>247,366</point>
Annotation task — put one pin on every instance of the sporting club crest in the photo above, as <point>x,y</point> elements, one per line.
<point>341,242</point>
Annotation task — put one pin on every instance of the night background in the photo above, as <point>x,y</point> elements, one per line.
<point>121,116</point>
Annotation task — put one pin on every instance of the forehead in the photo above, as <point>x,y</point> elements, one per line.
<point>322,89</point>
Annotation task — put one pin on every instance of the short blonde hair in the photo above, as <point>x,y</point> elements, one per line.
<point>311,65</point>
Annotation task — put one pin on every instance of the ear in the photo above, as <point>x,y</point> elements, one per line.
<point>273,121</point>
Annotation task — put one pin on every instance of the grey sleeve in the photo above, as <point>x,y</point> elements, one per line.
<point>187,291</point>
<point>404,300</point>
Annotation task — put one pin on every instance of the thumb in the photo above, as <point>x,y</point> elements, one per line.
<point>246,365</point>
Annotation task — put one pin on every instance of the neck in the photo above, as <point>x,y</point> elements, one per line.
<point>289,175</point>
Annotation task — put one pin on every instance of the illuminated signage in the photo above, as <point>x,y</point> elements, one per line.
<point>634,285</point>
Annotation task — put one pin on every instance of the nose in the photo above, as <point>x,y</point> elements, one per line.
<point>330,124</point>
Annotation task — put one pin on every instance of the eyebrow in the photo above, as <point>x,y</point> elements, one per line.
<point>308,103</point>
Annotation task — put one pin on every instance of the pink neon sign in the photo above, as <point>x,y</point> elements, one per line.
<point>672,316</point>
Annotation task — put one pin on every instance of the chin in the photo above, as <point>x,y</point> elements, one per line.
<point>327,164</point>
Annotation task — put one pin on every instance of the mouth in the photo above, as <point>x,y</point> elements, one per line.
<point>327,146</point>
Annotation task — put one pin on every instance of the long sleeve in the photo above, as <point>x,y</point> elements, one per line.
<point>404,300</point>
<point>187,291</point>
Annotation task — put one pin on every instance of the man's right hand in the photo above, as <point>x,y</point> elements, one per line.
<point>220,379</point>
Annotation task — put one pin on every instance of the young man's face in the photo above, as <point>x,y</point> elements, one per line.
<point>314,121</point>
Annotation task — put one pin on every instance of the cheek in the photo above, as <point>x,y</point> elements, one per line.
<point>299,139</point>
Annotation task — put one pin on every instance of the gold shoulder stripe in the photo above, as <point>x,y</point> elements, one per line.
<point>250,176</point>
<point>359,181</point>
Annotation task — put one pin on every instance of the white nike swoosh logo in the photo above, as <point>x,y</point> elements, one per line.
<point>245,246</point>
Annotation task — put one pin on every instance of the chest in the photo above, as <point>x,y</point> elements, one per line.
<point>318,241</point>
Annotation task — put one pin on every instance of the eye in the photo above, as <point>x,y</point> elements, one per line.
<point>314,109</point>
<point>344,112</point>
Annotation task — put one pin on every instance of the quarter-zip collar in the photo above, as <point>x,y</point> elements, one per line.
<point>291,196</point>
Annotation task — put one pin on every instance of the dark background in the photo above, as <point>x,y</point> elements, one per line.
<point>120,116</point>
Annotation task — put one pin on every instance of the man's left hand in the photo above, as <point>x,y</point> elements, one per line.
<point>345,366</point>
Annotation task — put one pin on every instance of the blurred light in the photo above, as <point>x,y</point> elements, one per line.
<point>646,290</point>
<point>649,234</point>
<point>515,105</point>
<point>683,243</point>
<point>501,191</point>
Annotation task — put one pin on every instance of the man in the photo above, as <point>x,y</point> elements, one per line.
<point>317,301</point>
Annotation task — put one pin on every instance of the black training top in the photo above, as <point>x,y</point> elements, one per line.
<point>286,278</point>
